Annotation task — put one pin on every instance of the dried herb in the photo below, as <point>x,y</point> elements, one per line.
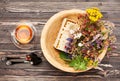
<point>88,41</point>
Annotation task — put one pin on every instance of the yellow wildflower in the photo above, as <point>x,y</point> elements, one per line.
<point>94,14</point>
<point>90,63</point>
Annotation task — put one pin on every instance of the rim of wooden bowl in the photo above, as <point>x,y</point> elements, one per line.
<point>59,64</point>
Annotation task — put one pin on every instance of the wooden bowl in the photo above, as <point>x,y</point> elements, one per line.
<point>48,37</point>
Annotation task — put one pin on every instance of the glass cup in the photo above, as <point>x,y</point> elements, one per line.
<point>24,35</point>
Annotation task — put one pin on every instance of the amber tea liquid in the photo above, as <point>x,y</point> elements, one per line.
<point>23,34</point>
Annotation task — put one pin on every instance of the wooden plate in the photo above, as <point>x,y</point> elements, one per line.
<point>48,37</point>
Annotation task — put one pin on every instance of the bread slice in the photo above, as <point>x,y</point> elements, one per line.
<point>64,34</point>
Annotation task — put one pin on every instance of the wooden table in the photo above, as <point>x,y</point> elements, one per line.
<point>38,12</point>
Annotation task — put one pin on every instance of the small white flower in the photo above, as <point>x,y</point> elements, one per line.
<point>72,31</point>
<point>77,35</point>
<point>80,44</point>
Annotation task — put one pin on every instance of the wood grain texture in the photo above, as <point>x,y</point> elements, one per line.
<point>55,7</point>
<point>50,78</point>
<point>38,12</point>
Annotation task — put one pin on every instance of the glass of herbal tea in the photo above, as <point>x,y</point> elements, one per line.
<point>23,35</point>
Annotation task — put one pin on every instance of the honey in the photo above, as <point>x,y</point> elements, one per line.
<point>24,34</point>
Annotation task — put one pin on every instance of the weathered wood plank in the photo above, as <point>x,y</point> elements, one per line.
<point>46,15</point>
<point>55,73</point>
<point>109,15</point>
<point>43,10</point>
<point>2,8</point>
<point>36,72</point>
<point>60,0</point>
<point>55,7</point>
<point>51,78</point>
<point>24,16</point>
<point>48,0</point>
<point>11,46</point>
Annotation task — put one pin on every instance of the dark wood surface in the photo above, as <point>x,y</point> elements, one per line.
<point>38,12</point>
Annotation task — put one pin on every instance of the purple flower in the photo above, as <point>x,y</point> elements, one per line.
<point>68,46</point>
<point>69,39</point>
<point>98,41</point>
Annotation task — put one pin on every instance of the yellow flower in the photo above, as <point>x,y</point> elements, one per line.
<point>90,63</point>
<point>94,14</point>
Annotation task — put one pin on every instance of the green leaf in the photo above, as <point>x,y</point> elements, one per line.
<point>109,49</point>
<point>95,64</point>
<point>78,63</point>
<point>103,33</point>
<point>100,51</point>
<point>86,28</point>
<point>64,56</point>
<point>83,66</point>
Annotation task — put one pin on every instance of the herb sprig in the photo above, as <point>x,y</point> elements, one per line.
<point>78,62</point>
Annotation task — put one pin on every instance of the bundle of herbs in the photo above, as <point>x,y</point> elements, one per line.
<point>87,42</point>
